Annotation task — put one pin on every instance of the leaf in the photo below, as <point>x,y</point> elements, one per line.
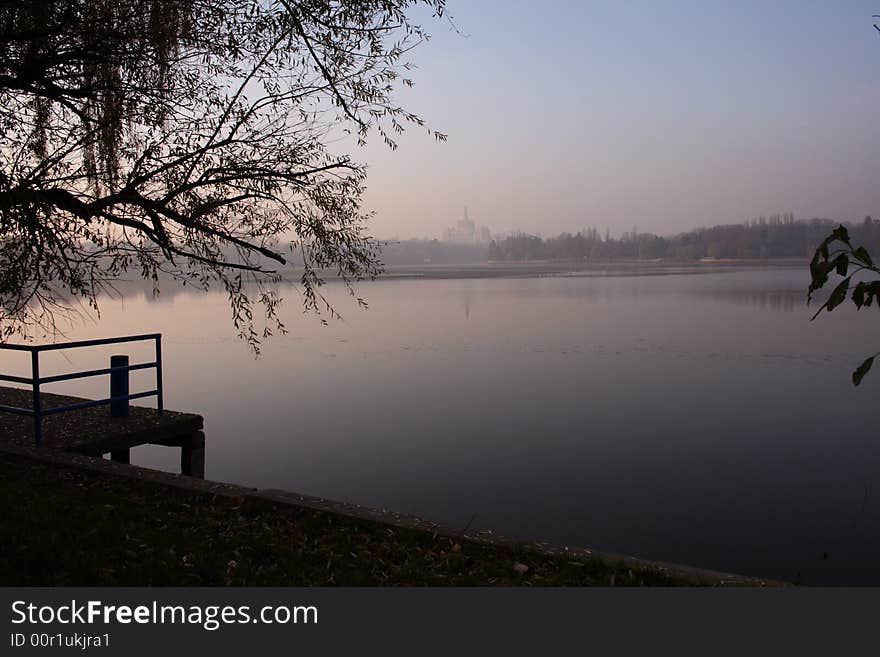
<point>862,254</point>
<point>862,369</point>
<point>872,291</point>
<point>841,233</point>
<point>819,272</point>
<point>841,263</point>
<point>858,295</point>
<point>838,295</point>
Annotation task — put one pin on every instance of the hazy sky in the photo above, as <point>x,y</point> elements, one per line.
<point>662,115</point>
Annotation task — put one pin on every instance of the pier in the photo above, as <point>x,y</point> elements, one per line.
<point>92,431</point>
<point>29,416</point>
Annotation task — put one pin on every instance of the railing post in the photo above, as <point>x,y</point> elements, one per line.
<point>35,377</point>
<point>159,373</point>
<point>119,387</point>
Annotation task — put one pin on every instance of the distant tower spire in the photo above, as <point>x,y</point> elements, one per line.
<point>465,213</point>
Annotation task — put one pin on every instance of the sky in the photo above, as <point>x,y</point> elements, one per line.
<point>659,116</point>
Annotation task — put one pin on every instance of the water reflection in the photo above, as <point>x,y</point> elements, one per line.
<point>776,300</point>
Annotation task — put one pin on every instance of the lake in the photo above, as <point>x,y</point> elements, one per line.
<point>698,418</point>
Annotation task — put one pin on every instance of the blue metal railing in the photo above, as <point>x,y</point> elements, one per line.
<point>35,381</point>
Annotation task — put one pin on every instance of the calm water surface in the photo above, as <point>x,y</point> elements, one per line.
<point>691,418</point>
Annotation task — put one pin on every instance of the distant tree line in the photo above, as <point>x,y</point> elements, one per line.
<point>777,236</point>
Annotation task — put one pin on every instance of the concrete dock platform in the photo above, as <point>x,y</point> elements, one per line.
<point>94,432</point>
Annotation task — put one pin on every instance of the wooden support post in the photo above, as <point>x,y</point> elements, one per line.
<point>192,455</point>
<point>121,455</point>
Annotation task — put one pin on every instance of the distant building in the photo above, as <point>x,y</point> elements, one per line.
<point>465,231</point>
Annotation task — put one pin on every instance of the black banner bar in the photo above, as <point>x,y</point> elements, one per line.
<point>171,621</point>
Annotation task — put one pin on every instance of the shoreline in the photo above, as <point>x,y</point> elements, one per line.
<point>518,270</point>
<point>566,269</point>
<point>634,568</point>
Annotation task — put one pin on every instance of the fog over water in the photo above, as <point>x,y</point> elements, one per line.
<point>695,418</point>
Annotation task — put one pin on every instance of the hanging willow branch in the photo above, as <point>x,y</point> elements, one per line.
<point>189,138</point>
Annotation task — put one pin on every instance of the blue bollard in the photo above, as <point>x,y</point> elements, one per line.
<point>119,387</point>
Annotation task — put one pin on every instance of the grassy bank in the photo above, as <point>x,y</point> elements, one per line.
<point>69,526</point>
